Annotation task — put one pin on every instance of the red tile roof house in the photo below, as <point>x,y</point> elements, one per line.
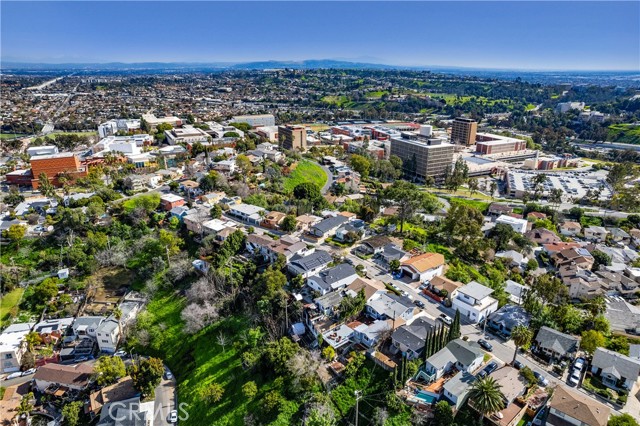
<point>170,201</point>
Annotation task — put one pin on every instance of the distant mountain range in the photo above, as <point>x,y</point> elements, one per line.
<point>618,78</point>
<point>307,64</point>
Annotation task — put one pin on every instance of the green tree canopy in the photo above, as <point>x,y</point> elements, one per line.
<point>109,369</point>
<point>146,375</point>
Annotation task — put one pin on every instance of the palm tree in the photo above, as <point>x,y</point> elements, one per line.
<point>521,336</point>
<point>486,396</point>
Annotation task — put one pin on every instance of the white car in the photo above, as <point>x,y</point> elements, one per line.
<point>29,372</point>
<point>173,417</point>
<point>574,378</point>
<point>14,375</point>
<point>445,319</point>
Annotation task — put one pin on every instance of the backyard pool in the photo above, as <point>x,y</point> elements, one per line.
<point>426,398</point>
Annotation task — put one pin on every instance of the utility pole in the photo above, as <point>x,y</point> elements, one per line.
<point>358,396</point>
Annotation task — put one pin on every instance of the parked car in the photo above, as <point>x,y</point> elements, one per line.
<point>14,375</point>
<point>121,354</point>
<point>168,375</point>
<point>518,365</point>
<point>29,372</point>
<point>579,364</point>
<point>491,367</point>
<point>418,303</point>
<point>445,319</point>
<point>574,377</point>
<point>485,345</point>
<point>542,381</point>
<point>173,417</point>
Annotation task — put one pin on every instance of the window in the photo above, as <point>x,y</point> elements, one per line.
<point>8,356</point>
<point>105,341</point>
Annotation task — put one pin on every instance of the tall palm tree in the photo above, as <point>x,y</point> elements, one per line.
<point>486,396</point>
<point>521,336</point>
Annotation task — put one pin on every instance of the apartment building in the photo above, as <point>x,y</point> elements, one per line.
<point>422,156</point>
<point>463,131</point>
<point>293,137</point>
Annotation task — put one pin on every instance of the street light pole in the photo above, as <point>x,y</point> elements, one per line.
<point>358,396</point>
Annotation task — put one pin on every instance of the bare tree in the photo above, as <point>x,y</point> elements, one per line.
<point>379,416</point>
<point>197,317</point>
<point>222,340</point>
<point>304,367</point>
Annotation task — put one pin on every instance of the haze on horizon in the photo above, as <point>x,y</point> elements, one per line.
<point>504,35</point>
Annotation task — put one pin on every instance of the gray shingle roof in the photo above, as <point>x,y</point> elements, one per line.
<point>377,241</point>
<point>556,341</point>
<point>510,316</point>
<point>315,259</point>
<point>456,350</point>
<point>325,279</point>
<point>329,223</point>
<point>616,364</point>
<point>414,335</point>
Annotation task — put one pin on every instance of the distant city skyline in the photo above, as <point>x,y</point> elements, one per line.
<point>493,35</point>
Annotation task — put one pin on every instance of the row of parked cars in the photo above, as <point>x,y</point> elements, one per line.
<point>576,372</point>
<point>20,374</point>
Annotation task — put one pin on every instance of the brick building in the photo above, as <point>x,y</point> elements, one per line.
<point>54,165</point>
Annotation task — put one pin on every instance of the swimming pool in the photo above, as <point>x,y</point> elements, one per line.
<point>426,398</point>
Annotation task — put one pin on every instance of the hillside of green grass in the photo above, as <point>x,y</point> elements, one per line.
<point>199,360</point>
<point>624,133</point>
<point>305,171</point>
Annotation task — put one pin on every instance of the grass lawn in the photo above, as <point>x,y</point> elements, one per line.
<point>10,135</point>
<point>376,95</point>
<point>305,171</point>
<point>480,205</point>
<point>524,420</point>
<point>52,135</point>
<point>8,302</point>
<point>198,360</point>
<point>530,107</point>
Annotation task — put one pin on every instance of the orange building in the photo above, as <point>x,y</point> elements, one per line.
<point>54,165</point>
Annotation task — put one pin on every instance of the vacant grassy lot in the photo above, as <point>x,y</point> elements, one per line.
<point>198,360</point>
<point>8,303</point>
<point>305,171</point>
<point>480,205</point>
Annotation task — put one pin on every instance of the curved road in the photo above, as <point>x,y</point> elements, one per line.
<point>329,174</point>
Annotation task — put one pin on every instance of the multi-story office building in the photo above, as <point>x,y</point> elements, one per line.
<point>496,144</point>
<point>463,131</point>
<point>153,121</point>
<point>54,165</point>
<point>293,137</point>
<point>422,156</point>
<point>187,135</point>
<point>257,120</point>
<point>112,127</point>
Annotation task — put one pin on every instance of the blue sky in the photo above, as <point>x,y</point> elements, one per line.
<point>522,35</point>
